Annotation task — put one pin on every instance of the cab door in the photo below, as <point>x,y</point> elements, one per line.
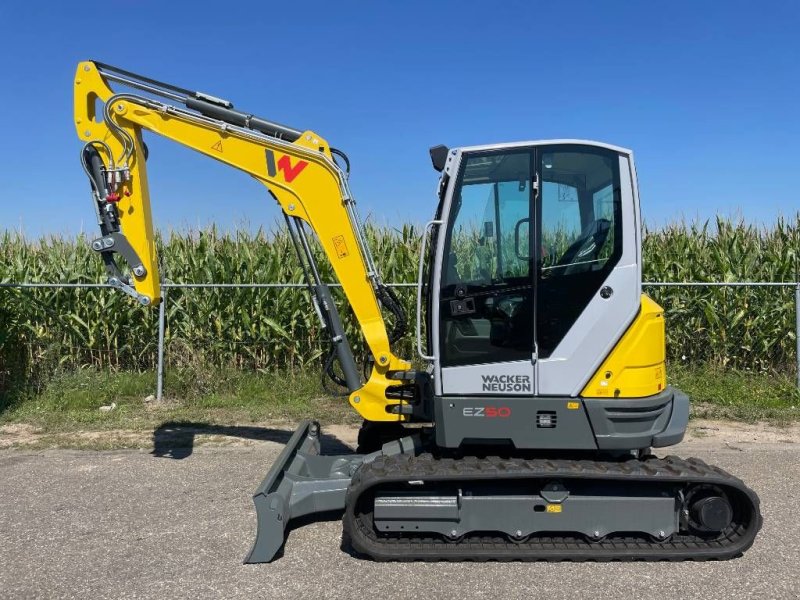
<point>486,293</point>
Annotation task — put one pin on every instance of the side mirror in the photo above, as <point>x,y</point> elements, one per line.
<point>439,157</point>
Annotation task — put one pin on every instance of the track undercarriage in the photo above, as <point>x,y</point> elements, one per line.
<point>412,501</point>
<point>494,508</point>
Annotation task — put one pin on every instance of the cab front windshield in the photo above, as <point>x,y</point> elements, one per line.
<point>490,229</point>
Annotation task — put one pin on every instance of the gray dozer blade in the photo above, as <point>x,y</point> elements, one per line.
<point>299,483</point>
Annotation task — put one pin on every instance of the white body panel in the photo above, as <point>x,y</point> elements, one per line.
<point>495,379</point>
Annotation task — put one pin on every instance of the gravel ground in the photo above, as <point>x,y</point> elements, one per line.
<point>176,524</point>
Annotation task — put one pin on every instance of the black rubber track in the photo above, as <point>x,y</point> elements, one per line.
<point>388,470</point>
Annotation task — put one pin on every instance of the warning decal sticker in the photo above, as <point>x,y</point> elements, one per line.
<point>341,246</point>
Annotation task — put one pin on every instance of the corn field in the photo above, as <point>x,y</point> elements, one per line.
<point>258,329</point>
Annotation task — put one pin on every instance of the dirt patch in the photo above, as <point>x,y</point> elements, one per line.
<point>733,434</point>
<point>701,433</point>
<point>347,434</point>
<point>18,434</point>
<point>28,436</point>
<point>168,435</point>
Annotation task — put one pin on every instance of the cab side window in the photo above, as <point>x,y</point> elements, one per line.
<point>580,235</point>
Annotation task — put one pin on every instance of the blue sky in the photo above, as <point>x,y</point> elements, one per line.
<point>706,94</point>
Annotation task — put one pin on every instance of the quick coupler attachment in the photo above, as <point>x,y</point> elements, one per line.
<point>300,482</point>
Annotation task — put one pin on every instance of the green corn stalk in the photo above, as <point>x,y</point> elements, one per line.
<point>266,329</point>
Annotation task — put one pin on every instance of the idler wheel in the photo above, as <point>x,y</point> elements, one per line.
<point>712,513</point>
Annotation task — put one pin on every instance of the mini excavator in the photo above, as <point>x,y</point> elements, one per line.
<point>526,432</point>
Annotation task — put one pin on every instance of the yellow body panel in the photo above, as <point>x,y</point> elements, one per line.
<point>635,367</point>
<point>306,184</point>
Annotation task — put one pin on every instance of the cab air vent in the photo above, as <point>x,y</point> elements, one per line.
<point>546,419</point>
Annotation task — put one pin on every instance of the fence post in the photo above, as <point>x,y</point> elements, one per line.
<point>162,316</point>
<point>797,329</point>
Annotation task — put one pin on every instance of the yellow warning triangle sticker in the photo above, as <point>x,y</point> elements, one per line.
<point>217,146</point>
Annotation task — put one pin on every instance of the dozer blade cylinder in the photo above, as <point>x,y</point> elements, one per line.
<point>300,482</point>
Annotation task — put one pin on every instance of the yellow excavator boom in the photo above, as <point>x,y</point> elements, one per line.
<point>300,173</point>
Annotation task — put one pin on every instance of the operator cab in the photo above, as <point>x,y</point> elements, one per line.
<point>536,266</point>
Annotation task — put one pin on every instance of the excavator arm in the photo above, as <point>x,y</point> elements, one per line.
<point>297,168</point>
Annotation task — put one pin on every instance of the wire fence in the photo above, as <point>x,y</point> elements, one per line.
<point>169,289</point>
